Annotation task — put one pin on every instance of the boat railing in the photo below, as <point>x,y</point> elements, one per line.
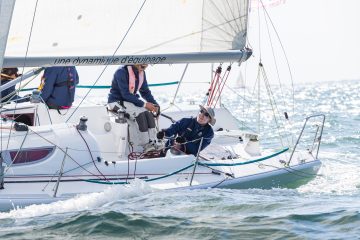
<point>196,161</point>
<point>317,138</point>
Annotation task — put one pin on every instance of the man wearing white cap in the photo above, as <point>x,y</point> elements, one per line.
<point>189,131</point>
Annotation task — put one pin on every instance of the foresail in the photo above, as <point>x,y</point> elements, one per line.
<point>127,32</point>
<point>6,9</point>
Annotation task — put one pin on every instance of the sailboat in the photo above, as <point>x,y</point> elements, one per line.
<point>49,155</point>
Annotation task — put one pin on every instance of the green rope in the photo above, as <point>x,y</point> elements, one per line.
<point>187,167</point>
<point>243,163</point>
<point>108,87</point>
<point>147,180</point>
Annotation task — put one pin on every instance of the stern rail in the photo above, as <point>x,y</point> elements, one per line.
<point>317,138</point>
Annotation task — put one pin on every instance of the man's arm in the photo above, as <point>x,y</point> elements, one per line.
<point>177,127</point>
<point>49,78</point>
<point>193,147</point>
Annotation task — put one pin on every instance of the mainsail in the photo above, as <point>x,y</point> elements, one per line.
<point>93,32</point>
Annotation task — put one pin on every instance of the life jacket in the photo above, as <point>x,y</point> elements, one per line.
<point>132,79</point>
<point>69,83</point>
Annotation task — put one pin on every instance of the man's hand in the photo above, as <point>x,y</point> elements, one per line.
<point>180,140</point>
<point>160,135</point>
<point>151,107</point>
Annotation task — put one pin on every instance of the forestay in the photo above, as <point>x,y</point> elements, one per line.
<point>96,32</point>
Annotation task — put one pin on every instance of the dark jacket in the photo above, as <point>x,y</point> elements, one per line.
<point>191,130</point>
<point>58,86</point>
<point>7,93</point>
<point>120,88</point>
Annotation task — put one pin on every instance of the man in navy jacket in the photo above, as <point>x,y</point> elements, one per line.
<point>185,135</point>
<point>7,75</point>
<point>128,82</point>
<point>58,86</point>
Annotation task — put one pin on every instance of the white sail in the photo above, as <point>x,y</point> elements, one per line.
<point>215,30</point>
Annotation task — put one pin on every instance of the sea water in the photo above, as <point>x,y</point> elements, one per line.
<point>325,208</point>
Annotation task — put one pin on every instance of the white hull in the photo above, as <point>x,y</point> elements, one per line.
<point>227,163</point>
<point>284,177</point>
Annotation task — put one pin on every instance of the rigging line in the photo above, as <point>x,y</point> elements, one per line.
<point>275,62</point>
<point>28,43</point>
<point>26,53</point>
<point>245,79</point>
<point>232,14</point>
<point>202,25</point>
<point>222,15</point>
<point>253,93</point>
<point>62,151</point>
<point>267,87</point>
<point>18,151</point>
<point>92,158</point>
<point>17,91</point>
<point>218,184</point>
<point>187,35</point>
<point>248,16</point>
<point>231,34</point>
<point>105,67</point>
<point>283,49</point>
<point>259,115</point>
<point>216,40</point>
<point>217,86</point>
<point>272,100</point>
<point>222,87</point>
<point>178,86</point>
<point>213,85</point>
<point>47,109</point>
<point>259,29</point>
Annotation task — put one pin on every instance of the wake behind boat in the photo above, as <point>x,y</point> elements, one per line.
<point>49,155</point>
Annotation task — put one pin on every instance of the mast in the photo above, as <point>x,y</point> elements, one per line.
<point>6,10</point>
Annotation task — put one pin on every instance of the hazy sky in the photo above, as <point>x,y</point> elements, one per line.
<point>321,38</point>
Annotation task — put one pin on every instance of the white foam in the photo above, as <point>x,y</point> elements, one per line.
<point>82,202</point>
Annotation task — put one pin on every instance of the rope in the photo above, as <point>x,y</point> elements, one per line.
<point>283,49</point>
<point>108,86</point>
<point>222,84</point>
<point>92,158</point>
<point>146,180</point>
<point>213,84</point>
<point>105,67</point>
<point>191,165</point>
<point>243,163</point>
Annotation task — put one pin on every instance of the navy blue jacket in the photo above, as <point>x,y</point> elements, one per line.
<point>191,130</point>
<point>7,91</point>
<point>12,96</point>
<point>58,86</point>
<point>120,88</point>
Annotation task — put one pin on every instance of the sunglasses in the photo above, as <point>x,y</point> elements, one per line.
<point>206,114</point>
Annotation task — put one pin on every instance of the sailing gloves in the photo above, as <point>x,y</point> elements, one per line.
<point>160,135</point>
<point>180,140</point>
